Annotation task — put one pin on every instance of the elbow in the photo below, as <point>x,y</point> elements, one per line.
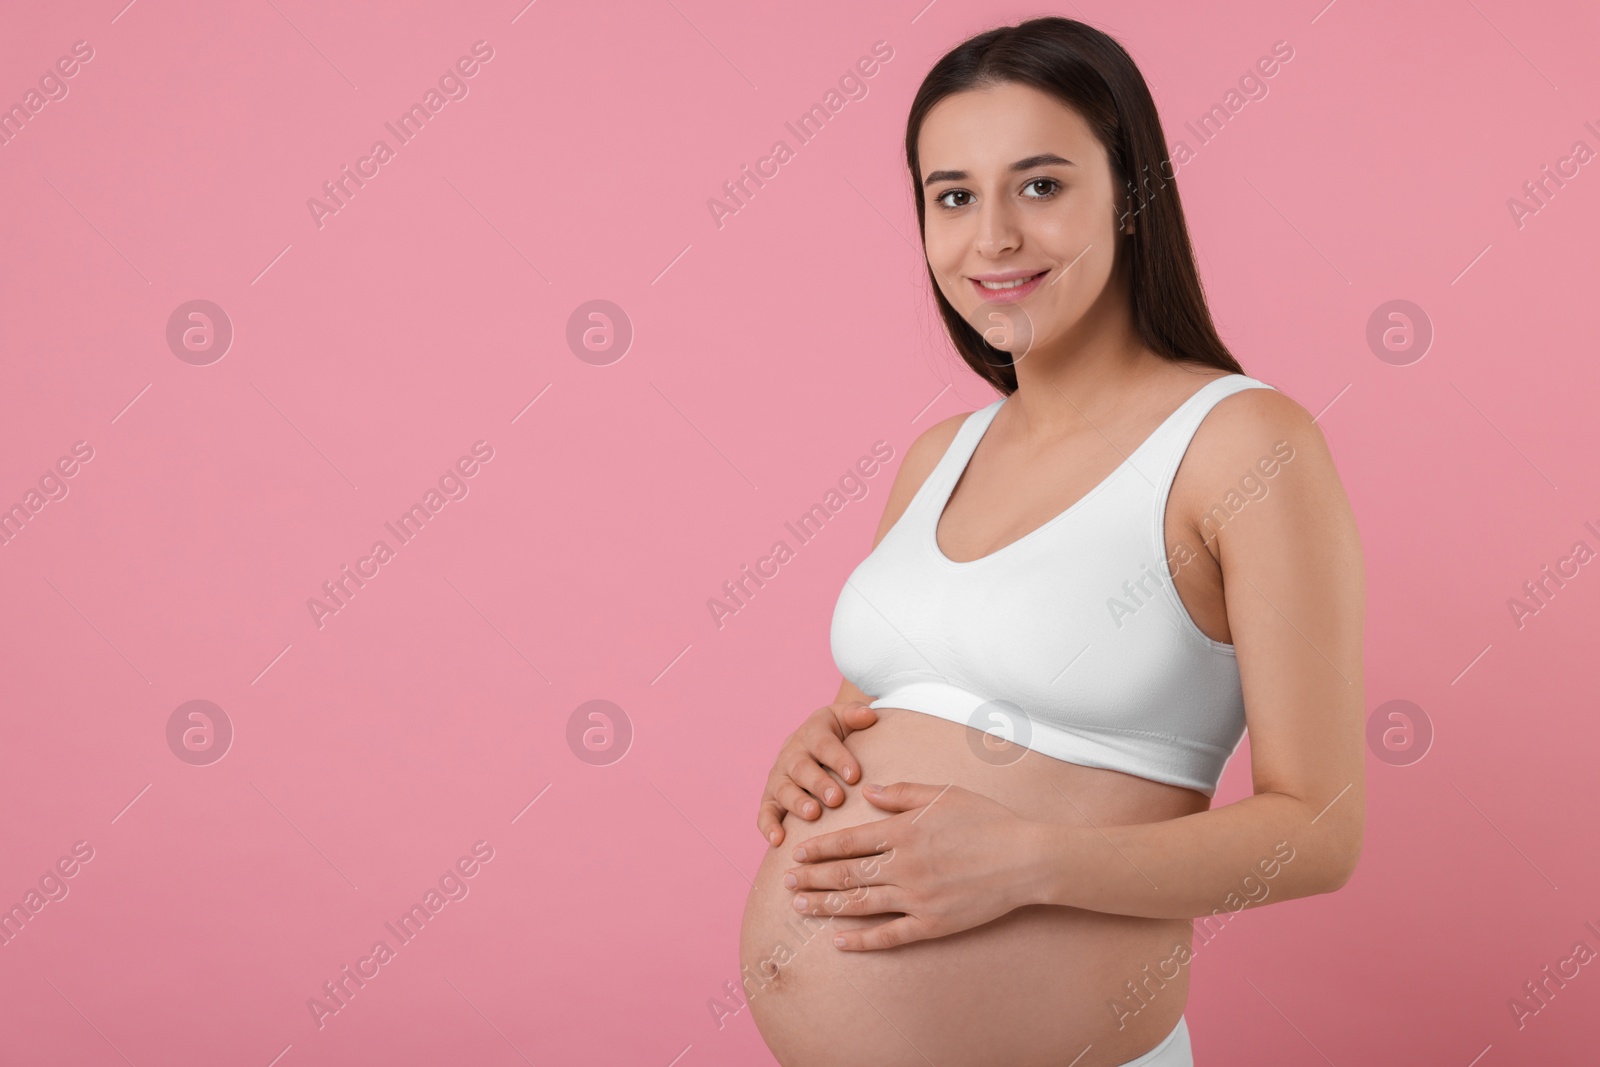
<point>1349,859</point>
<point>1343,873</point>
<point>1337,847</point>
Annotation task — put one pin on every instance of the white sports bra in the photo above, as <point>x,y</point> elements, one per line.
<point>1071,640</point>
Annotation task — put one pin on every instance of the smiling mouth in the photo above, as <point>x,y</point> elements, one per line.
<point>1008,292</point>
<point>1015,283</point>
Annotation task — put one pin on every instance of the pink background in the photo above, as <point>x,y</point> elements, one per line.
<point>767,356</point>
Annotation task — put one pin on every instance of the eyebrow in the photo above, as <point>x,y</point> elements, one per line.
<point>1043,159</point>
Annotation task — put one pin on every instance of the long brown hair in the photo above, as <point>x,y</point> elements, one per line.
<point>1092,74</point>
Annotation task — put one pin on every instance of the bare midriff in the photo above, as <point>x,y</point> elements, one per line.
<point>1042,986</point>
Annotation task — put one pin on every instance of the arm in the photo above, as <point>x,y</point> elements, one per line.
<point>921,458</point>
<point>1294,593</point>
<point>1295,596</point>
<point>813,759</point>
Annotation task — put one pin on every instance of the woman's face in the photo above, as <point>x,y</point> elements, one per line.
<point>1015,184</point>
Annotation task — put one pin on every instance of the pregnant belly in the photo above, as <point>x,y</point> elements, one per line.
<point>1039,986</point>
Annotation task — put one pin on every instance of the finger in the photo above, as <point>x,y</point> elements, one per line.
<point>903,796</point>
<point>830,751</point>
<point>843,844</point>
<point>867,900</point>
<point>797,800</point>
<point>857,717</point>
<point>810,776</point>
<point>899,931</point>
<point>844,875</point>
<point>769,820</point>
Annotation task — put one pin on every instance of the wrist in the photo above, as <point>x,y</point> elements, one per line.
<point>1044,848</point>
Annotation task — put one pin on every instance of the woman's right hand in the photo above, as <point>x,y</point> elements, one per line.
<point>800,777</point>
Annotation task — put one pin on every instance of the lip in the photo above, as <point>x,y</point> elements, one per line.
<point>1007,296</point>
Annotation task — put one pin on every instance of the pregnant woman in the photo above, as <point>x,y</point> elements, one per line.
<point>1078,598</point>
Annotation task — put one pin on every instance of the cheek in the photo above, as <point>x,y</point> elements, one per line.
<point>1065,301</point>
<point>1090,245</point>
<point>1065,234</point>
<point>944,249</point>
<point>947,275</point>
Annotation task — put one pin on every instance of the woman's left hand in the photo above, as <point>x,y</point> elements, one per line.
<point>950,860</point>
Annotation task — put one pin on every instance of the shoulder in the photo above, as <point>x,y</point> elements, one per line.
<point>922,456</point>
<point>1236,430</point>
<point>932,443</point>
<point>1247,416</point>
<point>1251,444</point>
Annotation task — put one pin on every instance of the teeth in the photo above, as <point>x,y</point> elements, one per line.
<point>1009,285</point>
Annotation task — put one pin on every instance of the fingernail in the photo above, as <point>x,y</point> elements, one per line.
<point>791,881</point>
<point>773,837</point>
<point>799,855</point>
<point>800,903</point>
<point>838,942</point>
<point>874,788</point>
<point>833,794</point>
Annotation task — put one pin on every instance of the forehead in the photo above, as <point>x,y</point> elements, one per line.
<point>986,130</point>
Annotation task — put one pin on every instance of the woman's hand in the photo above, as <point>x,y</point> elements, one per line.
<point>799,772</point>
<point>950,860</point>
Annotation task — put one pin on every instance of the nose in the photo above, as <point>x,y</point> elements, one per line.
<point>998,233</point>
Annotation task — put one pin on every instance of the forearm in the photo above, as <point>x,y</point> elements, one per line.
<point>1269,846</point>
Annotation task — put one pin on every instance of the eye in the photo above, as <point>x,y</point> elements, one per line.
<point>1053,184</point>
